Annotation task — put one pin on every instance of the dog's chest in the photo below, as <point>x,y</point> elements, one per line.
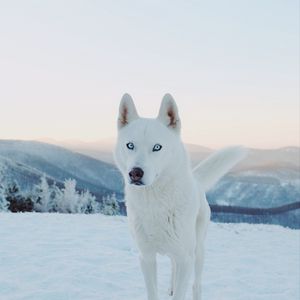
<point>156,224</point>
<point>159,224</point>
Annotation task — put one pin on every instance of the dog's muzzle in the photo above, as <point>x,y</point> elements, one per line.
<point>136,175</point>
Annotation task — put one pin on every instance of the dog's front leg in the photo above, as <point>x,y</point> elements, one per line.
<point>182,276</point>
<point>148,266</point>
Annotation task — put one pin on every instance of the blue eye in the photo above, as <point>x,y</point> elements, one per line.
<point>156,147</point>
<point>130,146</point>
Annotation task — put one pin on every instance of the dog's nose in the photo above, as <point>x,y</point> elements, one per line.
<point>136,174</point>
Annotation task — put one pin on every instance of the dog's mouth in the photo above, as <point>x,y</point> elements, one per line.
<point>137,182</point>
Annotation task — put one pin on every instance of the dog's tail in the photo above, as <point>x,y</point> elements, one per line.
<point>210,170</point>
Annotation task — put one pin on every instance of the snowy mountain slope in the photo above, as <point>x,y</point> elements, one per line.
<point>103,149</point>
<point>282,163</point>
<point>267,178</point>
<point>59,164</point>
<point>257,190</point>
<point>15,171</point>
<point>53,256</point>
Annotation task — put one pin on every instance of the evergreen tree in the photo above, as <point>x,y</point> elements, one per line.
<point>71,201</point>
<point>110,205</point>
<point>3,202</point>
<point>17,202</point>
<point>56,194</point>
<point>87,203</point>
<point>42,196</point>
<point>67,202</point>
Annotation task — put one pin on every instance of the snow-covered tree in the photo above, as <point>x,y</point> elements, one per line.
<point>110,205</point>
<point>18,202</point>
<point>12,191</point>
<point>71,201</point>
<point>43,196</point>
<point>67,202</point>
<point>87,203</point>
<point>3,202</point>
<point>56,194</point>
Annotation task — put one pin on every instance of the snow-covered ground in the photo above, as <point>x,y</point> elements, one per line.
<point>72,257</point>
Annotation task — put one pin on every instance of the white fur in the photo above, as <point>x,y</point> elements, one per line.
<point>169,214</point>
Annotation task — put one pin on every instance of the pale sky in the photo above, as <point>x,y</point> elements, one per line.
<point>232,67</point>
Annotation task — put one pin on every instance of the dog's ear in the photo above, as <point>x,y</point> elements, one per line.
<point>168,113</point>
<point>127,111</point>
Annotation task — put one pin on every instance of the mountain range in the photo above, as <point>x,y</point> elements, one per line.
<point>27,161</point>
<point>267,178</point>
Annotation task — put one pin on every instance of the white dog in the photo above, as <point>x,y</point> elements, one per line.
<point>166,204</point>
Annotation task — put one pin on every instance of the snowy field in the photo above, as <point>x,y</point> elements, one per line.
<point>72,257</point>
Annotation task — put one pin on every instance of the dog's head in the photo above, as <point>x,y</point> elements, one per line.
<point>146,148</point>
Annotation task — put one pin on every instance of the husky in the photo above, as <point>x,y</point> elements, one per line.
<point>168,213</point>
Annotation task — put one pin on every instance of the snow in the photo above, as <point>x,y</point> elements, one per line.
<point>86,257</point>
